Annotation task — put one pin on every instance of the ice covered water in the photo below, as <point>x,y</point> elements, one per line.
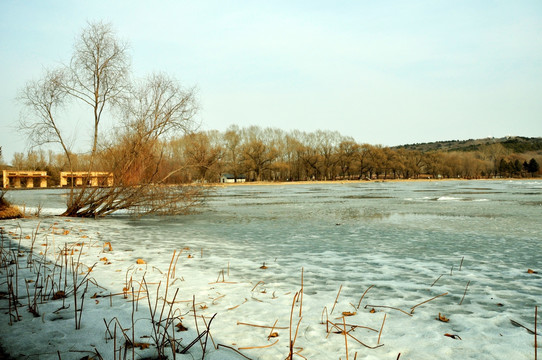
<point>411,240</point>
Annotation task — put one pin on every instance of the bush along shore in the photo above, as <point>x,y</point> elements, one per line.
<point>8,211</point>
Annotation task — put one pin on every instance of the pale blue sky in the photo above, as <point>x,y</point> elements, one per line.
<point>383,72</point>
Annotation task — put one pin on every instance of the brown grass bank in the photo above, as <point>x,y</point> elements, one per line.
<point>8,211</point>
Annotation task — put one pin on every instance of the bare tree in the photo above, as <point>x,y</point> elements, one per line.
<point>43,99</point>
<point>98,76</point>
<point>346,156</point>
<point>202,156</point>
<point>232,151</point>
<point>258,157</point>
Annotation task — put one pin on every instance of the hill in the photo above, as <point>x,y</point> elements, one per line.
<point>516,144</point>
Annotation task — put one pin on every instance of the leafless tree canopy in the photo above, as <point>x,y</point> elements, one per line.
<point>149,112</point>
<point>43,99</point>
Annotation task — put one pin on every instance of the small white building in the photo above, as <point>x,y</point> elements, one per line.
<point>229,178</point>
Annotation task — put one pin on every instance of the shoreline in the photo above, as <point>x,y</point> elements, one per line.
<point>309,182</point>
<point>340,182</point>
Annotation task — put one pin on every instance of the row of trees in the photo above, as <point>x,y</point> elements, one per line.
<point>275,155</point>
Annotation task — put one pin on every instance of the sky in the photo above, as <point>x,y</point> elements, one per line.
<point>383,72</point>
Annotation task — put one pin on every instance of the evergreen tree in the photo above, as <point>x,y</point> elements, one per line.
<point>516,167</point>
<point>504,167</point>
<point>533,167</point>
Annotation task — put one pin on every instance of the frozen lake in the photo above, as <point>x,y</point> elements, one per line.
<point>411,240</point>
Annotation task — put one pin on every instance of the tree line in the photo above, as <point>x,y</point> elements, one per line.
<point>268,154</point>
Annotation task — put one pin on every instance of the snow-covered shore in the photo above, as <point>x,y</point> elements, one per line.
<point>247,311</point>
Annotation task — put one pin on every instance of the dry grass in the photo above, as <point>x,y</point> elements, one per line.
<point>8,211</point>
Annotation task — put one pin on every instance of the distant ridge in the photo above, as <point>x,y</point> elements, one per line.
<point>516,144</point>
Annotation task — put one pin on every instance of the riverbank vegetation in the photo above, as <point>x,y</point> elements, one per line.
<point>8,211</point>
<point>266,154</point>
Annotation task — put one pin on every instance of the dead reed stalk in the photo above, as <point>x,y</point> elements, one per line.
<point>381,328</point>
<point>387,307</point>
<point>133,328</point>
<point>340,331</point>
<point>362,296</point>
<point>426,301</point>
<point>345,338</point>
<point>292,340</point>
<point>229,347</point>
<point>221,272</point>
<point>336,299</point>
<point>209,331</point>
<point>465,293</point>
<point>34,237</point>
<point>535,334</point>
<point>258,347</point>
<point>434,282</point>
<point>175,265</point>
<point>196,319</point>
<point>263,326</point>
<point>255,286</point>
<point>327,318</point>
<point>301,296</point>
<point>272,328</point>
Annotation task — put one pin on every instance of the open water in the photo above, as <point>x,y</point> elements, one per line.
<point>498,222</point>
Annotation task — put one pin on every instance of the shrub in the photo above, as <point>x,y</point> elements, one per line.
<point>8,211</point>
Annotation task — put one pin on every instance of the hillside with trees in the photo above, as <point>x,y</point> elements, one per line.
<point>515,144</point>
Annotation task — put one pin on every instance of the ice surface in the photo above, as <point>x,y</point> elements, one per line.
<point>411,241</point>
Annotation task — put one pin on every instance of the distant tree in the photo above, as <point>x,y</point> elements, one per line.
<point>327,144</point>
<point>201,155</point>
<point>533,167</point>
<point>363,158</point>
<point>494,152</point>
<point>18,161</point>
<point>414,163</point>
<point>525,166</point>
<point>434,163</point>
<point>232,151</point>
<point>516,167</point>
<point>504,167</point>
<point>280,168</point>
<point>309,156</point>
<point>378,161</point>
<point>258,157</point>
<point>347,152</point>
<point>292,158</point>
